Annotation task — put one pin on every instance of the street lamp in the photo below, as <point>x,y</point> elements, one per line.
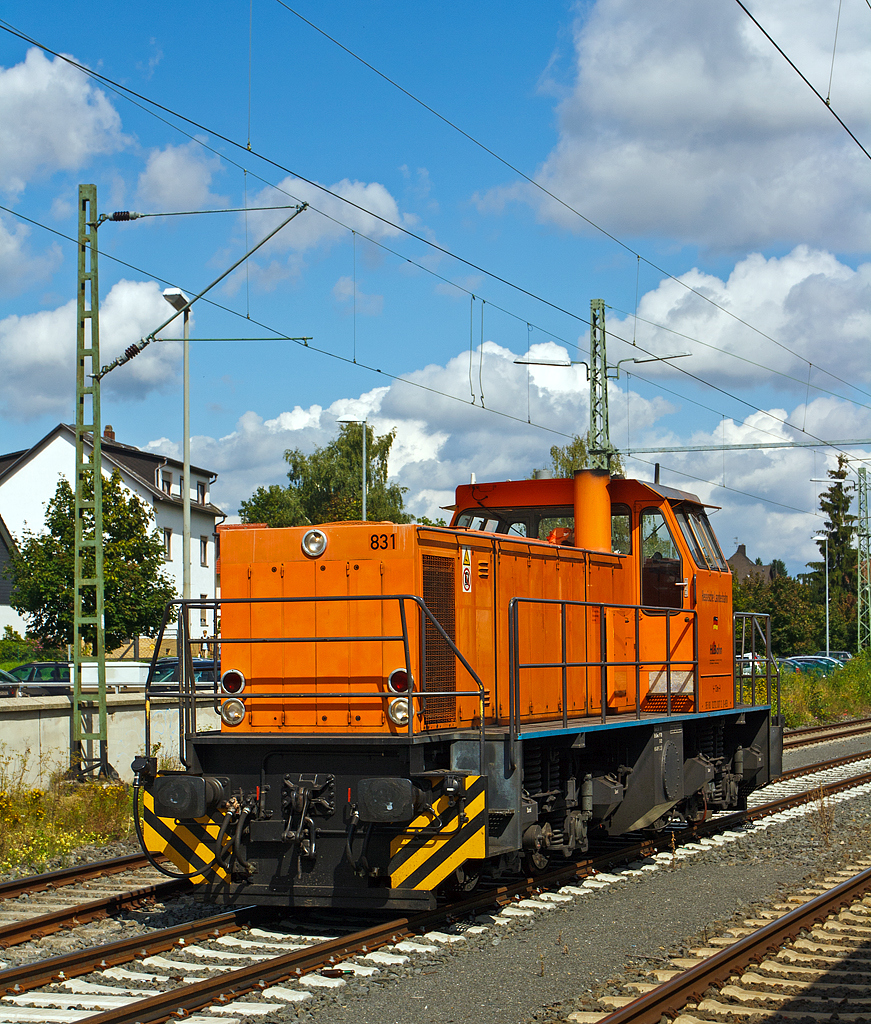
<point>825,537</point>
<point>365,425</point>
<point>179,301</point>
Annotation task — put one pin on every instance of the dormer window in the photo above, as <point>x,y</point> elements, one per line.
<point>201,493</point>
<point>166,482</point>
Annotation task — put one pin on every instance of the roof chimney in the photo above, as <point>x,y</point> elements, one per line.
<point>108,433</point>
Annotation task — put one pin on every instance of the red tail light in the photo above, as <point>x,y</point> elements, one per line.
<point>399,681</point>
<point>232,681</point>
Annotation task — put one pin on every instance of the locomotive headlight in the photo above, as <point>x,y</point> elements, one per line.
<point>398,711</point>
<point>399,681</point>
<point>314,543</point>
<point>233,711</point>
<point>232,681</point>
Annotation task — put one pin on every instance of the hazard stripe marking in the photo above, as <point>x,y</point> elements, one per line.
<point>190,846</point>
<point>422,861</point>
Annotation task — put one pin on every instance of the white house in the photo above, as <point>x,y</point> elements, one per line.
<point>29,478</point>
<point>8,615</point>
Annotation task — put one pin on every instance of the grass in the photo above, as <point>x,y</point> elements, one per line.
<point>808,699</point>
<point>39,825</point>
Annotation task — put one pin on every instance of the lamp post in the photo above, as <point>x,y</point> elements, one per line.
<point>178,300</point>
<point>825,537</point>
<point>365,425</point>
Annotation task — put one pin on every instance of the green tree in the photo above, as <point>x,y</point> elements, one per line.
<point>136,587</point>
<point>778,567</point>
<point>839,527</point>
<point>565,459</point>
<point>797,621</point>
<point>328,483</point>
<point>274,505</point>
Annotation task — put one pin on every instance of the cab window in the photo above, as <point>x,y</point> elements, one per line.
<point>661,569</point>
<point>621,530</point>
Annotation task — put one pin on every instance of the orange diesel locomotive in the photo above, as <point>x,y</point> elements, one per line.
<point>404,708</point>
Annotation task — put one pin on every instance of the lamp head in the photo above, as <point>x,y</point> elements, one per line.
<point>176,298</point>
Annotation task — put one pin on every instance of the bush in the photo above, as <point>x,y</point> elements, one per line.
<point>14,649</point>
<point>39,824</point>
<point>807,698</point>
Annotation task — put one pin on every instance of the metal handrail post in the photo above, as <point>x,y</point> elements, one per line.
<point>182,722</point>
<point>696,681</point>
<point>405,647</point>
<point>638,663</point>
<point>603,670</point>
<point>564,669</point>
<point>668,664</point>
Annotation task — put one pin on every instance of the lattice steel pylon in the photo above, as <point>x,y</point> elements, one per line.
<point>864,558</point>
<point>599,444</point>
<point>88,618</point>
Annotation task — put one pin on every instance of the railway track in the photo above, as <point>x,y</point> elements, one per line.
<point>804,962</point>
<point>242,961</point>
<point>38,905</point>
<point>823,733</point>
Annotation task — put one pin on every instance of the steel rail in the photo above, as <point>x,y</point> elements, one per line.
<point>23,977</point>
<point>70,876</point>
<point>821,766</point>
<point>822,733</point>
<point>670,997</point>
<point>84,913</point>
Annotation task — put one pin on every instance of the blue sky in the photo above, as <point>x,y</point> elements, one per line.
<point>677,128</point>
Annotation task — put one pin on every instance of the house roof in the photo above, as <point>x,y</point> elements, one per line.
<point>7,538</point>
<point>136,463</point>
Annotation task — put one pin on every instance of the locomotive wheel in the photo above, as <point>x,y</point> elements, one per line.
<point>465,879</point>
<point>535,849</point>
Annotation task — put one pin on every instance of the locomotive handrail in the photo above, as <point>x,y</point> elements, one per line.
<point>187,686</point>
<point>602,663</point>
<point>760,628</point>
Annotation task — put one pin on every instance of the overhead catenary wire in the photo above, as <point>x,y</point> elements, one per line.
<point>123,90</point>
<point>304,343</point>
<point>377,217</point>
<point>472,298</point>
<point>128,93</point>
<point>538,185</point>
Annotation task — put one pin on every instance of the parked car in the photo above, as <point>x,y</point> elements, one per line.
<point>40,679</point>
<point>842,656</point>
<point>8,684</point>
<point>749,664</point>
<point>166,671</point>
<point>811,663</point>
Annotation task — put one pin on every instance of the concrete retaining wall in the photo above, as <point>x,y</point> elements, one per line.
<point>38,730</point>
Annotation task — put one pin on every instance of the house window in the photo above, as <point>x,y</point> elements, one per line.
<point>167,542</point>
<point>204,611</point>
<point>201,493</point>
<point>204,550</point>
<point>181,486</point>
<point>166,482</point>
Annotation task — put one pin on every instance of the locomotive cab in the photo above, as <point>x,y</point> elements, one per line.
<point>406,707</point>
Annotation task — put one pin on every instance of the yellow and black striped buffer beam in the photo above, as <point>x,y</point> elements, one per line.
<point>190,845</point>
<point>428,851</point>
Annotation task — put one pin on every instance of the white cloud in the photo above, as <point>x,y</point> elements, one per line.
<point>19,267</point>
<point>365,305</point>
<point>51,118</point>
<point>38,350</point>
<point>816,306</point>
<point>685,121</point>
<point>178,178</point>
<point>440,441</point>
<point>318,227</point>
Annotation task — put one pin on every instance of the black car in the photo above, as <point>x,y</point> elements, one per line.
<point>39,679</point>
<point>166,671</point>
